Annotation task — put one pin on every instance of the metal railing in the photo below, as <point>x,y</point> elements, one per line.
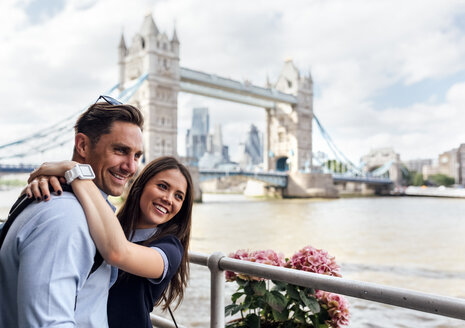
<point>405,298</point>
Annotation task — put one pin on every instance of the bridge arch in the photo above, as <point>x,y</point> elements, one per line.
<point>282,164</point>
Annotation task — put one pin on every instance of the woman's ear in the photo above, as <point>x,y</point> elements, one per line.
<point>82,145</point>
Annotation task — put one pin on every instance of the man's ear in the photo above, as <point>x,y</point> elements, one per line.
<point>82,145</point>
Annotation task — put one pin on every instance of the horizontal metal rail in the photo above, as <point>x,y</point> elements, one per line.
<point>161,322</point>
<point>405,298</point>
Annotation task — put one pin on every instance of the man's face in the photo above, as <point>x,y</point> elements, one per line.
<point>115,157</point>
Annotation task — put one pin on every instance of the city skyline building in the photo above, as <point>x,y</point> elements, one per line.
<point>416,165</point>
<point>216,154</point>
<point>448,164</point>
<point>252,153</point>
<point>205,148</point>
<point>461,164</point>
<point>197,135</point>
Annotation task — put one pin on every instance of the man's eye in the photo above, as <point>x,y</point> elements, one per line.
<point>120,150</point>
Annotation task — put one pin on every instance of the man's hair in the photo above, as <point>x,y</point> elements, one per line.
<point>98,119</point>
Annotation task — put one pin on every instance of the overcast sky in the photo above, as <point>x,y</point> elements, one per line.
<point>386,73</point>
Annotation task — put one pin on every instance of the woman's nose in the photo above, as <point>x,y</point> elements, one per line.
<point>167,199</point>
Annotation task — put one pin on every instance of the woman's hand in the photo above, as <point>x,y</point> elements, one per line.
<point>39,187</point>
<point>49,172</point>
<point>57,169</point>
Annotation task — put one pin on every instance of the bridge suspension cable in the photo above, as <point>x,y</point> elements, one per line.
<point>340,156</point>
<point>60,133</point>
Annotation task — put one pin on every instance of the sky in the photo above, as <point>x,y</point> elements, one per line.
<point>386,73</point>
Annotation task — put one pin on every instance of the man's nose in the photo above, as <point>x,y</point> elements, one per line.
<point>131,165</point>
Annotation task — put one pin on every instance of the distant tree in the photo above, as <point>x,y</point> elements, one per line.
<point>407,176</point>
<point>335,166</point>
<point>441,180</point>
<point>417,179</point>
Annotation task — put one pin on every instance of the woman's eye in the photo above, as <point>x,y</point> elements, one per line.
<point>179,197</point>
<point>162,186</point>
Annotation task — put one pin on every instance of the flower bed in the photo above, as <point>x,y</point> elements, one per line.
<point>265,303</point>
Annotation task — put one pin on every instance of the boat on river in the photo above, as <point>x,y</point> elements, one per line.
<point>435,191</point>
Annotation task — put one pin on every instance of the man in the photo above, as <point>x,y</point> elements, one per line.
<point>48,252</point>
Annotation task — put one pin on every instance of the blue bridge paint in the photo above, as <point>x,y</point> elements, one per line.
<point>280,179</point>
<point>17,168</point>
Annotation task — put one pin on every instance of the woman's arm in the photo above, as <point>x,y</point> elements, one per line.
<point>105,228</point>
<point>109,237</point>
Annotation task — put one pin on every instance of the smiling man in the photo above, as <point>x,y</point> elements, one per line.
<point>48,252</point>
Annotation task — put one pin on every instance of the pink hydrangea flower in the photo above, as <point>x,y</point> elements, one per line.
<point>314,260</point>
<point>268,256</point>
<point>337,307</point>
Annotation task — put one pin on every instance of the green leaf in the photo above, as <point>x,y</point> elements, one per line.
<point>299,315</point>
<point>252,321</point>
<point>310,302</point>
<point>259,288</point>
<point>293,292</point>
<point>279,285</point>
<point>289,324</point>
<point>248,289</point>
<point>280,315</point>
<point>235,296</point>
<point>315,320</point>
<point>247,302</point>
<point>310,291</point>
<point>276,300</point>
<point>242,282</point>
<point>232,309</point>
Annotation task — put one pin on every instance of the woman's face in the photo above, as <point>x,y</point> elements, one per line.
<point>162,198</point>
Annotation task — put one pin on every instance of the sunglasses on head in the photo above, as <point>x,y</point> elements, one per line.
<point>110,100</point>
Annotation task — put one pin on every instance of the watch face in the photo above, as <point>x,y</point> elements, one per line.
<point>86,171</point>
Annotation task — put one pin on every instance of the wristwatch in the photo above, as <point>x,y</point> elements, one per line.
<point>80,171</point>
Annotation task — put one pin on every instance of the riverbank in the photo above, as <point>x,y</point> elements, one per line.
<point>435,192</point>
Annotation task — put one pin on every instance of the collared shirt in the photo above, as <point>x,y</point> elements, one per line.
<point>44,266</point>
<point>144,234</point>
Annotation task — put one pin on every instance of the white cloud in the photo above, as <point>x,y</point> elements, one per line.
<point>354,49</point>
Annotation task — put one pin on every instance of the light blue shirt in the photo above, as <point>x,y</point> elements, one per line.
<point>44,264</point>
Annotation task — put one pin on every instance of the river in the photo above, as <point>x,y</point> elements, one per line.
<point>409,242</point>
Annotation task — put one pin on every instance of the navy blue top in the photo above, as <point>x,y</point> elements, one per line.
<point>131,298</point>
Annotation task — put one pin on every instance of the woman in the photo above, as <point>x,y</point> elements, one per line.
<point>149,244</point>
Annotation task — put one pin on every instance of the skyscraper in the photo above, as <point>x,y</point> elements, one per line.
<point>252,148</point>
<point>197,135</point>
<point>253,145</point>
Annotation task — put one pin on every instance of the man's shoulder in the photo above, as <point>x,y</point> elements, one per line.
<point>65,212</point>
<point>65,204</point>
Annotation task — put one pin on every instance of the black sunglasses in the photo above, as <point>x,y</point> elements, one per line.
<point>110,100</point>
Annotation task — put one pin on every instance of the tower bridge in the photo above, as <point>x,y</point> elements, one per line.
<point>288,104</point>
<point>151,78</point>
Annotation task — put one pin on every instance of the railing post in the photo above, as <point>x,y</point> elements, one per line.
<point>216,291</point>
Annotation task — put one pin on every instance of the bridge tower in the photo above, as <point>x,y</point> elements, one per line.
<point>289,127</point>
<point>154,53</point>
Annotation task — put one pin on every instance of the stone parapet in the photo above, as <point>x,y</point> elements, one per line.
<point>305,185</point>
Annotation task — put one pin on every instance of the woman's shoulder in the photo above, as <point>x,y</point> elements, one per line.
<point>171,246</point>
<point>168,240</point>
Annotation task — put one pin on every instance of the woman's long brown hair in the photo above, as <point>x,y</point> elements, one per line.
<point>179,226</point>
